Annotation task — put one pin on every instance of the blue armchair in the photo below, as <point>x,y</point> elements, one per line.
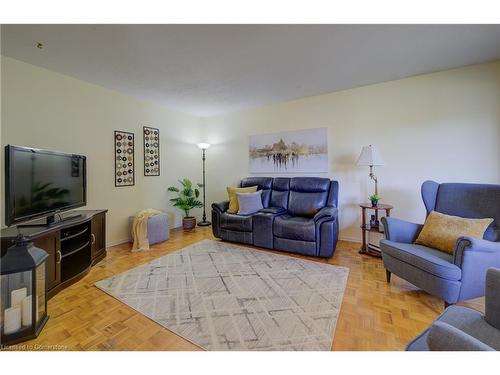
<point>452,277</point>
<point>459,328</point>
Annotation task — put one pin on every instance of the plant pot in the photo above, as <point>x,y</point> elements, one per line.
<point>188,222</point>
<point>374,203</point>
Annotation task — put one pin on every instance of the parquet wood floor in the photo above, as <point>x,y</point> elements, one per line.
<point>374,315</point>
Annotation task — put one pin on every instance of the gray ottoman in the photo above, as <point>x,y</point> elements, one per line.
<point>158,230</point>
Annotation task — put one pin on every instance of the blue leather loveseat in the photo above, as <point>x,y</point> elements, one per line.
<point>300,215</point>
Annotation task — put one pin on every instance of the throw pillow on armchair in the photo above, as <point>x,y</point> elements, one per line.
<point>441,231</point>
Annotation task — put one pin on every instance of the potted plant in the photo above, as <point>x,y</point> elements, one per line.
<point>374,199</point>
<point>186,200</point>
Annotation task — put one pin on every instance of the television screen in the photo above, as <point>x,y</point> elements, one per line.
<point>40,182</point>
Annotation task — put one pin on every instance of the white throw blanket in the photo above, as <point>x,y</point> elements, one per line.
<point>140,229</point>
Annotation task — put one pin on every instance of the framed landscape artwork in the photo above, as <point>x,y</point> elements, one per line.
<point>302,151</point>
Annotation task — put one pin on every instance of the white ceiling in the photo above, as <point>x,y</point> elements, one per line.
<point>206,70</point>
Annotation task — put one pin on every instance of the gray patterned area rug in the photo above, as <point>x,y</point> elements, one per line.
<point>222,296</point>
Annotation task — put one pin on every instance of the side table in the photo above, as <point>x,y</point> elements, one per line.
<point>369,248</point>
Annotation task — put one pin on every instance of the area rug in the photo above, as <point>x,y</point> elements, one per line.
<point>222,296</point>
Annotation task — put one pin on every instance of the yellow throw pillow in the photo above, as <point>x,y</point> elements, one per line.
<point>233,199</point>
<point>441,231</point>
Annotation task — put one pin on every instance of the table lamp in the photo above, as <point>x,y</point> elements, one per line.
<point>370,156</point>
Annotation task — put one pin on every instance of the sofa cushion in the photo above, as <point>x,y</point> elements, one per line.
<point>430,260</point>
<point>294,228</point>
<point>307,195</point>
<point>249,203</point>
<point>236,222</point>
<point>441,231</point>
<point>233,198</point>
<point>262,183</point>
<point>279,192</point>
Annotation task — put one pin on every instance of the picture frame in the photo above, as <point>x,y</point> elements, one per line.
<point>124,158</point>
<point>151,142</point>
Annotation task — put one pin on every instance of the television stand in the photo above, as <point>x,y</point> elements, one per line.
<point>74,244</point>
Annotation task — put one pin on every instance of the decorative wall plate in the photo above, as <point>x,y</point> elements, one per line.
<point>151,138</point>
<point>124,158</point>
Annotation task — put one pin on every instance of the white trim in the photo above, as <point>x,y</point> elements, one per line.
<point>121,241</point>
<point>116,242</point>
<point>350,239</point>
<point>125,240</point>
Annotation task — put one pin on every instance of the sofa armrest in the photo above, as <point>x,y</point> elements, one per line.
<point>445,337</point>
<point>400,230</point>
<point>221,206</point>
<point>273,210</point>
<point>471,244</point>
<point>326,213</point>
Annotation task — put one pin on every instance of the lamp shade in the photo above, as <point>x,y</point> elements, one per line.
<point>203,145</point>
<point>369,156</point>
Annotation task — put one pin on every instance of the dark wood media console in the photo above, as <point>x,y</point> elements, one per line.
<point>73,245</point>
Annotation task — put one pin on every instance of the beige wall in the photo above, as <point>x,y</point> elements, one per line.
<point>44,109</point>
<point>443,126</point>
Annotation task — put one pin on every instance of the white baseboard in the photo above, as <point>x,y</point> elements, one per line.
<point>116,242</point>
<point>350,239</point>
<point>125,240</point>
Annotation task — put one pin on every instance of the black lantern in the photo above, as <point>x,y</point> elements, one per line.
<point>23,291</point>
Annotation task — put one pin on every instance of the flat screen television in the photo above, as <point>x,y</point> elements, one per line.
<point>42,183</point>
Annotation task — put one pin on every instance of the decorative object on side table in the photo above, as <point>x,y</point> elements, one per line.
<point>124,158</point>
<point>370,156</point>
<point>186,200</point>
<point>374,225</point>
<point>24,292</point>
<point>374,198</point>
<point>204,222</point>
<point>151,137</point>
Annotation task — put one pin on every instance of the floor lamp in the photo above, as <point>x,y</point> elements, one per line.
<point>204,222</point>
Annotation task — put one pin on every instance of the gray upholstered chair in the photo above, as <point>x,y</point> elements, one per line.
<point>452,277</point>
<point>461,328</point>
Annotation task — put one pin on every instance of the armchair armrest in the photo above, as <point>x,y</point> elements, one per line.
<point>221,206</point>
<point>475,256</point>
<point>400,230</point>
<point>465,244</point>
<point>445,337</point>
<point>492,311</point>
<point>326,213</point>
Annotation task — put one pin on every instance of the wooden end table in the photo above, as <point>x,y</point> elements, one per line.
<point>368,248</point>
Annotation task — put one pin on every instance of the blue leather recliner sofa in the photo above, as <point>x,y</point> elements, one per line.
<point>451,277</point>
<point>300,215</point>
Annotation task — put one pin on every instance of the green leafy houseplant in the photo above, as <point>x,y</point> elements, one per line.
<point>186,200</point>
<point>374,199</point>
